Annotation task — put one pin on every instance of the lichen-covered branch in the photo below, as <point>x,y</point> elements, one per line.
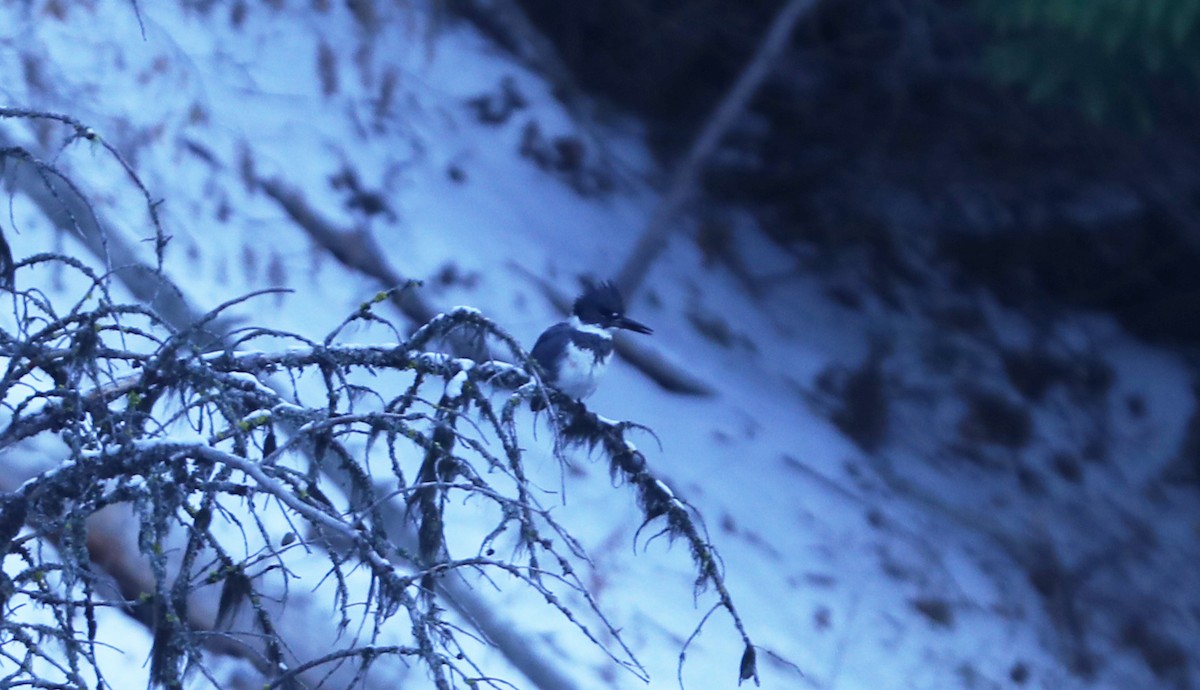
<point>223,457</point>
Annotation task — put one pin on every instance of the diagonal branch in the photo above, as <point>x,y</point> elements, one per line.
<point>683,183</point>
<point>355,250</point>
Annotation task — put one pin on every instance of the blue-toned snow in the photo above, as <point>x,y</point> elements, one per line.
<point>786,497</point>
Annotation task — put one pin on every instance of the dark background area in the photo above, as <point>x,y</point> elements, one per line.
<point>919,154</point>
<point>1045,150</point>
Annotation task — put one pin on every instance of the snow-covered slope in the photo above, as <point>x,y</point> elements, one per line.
<point>903,567</point>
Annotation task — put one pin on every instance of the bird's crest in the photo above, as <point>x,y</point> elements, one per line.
<point>602,297</point>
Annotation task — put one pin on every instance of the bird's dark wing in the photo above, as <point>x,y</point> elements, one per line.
<point>549,344</point>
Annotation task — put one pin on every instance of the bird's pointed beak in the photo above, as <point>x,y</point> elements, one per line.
<point>631,325</point>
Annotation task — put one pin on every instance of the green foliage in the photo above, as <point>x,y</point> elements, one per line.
<point>1109,58</point>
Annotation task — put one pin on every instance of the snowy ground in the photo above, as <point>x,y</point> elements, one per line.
<point>860,581</point>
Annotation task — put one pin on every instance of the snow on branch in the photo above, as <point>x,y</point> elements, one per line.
<point>241,465</point>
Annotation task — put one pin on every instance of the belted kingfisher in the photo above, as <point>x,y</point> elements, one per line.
<point>573,354</point>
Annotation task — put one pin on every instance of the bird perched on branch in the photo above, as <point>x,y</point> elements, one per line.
<point>573,354</point>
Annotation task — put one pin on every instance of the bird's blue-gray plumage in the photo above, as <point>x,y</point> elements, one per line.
<point>572,358</point>
<point>574,354</point>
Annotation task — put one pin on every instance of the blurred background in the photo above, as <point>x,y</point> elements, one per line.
<point>926,305</point>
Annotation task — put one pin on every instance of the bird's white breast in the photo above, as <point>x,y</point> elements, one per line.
<point>580,371</point>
